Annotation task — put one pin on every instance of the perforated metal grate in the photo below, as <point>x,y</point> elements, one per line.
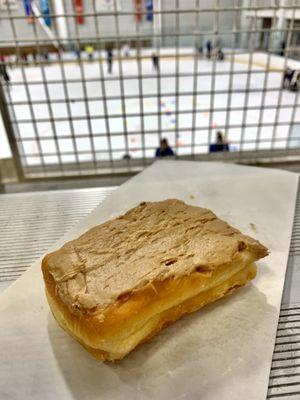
<point>285,370</point>
<point>31,223</point>
<point>295,242</point>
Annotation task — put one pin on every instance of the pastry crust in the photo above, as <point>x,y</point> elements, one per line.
<point>161,260</point>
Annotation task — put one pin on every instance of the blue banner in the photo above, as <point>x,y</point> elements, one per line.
<point>149,10</point>
<point>27,7</point>
<point>46,12</point>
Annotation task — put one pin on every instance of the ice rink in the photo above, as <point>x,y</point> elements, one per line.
<point>126,137</point>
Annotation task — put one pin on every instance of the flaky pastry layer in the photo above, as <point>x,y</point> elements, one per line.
<point>121,282</point>
<point>120,345</point>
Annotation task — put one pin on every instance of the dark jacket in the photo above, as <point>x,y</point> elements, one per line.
<point>165,153</point>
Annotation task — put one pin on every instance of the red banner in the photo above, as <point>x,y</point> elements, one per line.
<point>79,12</point>
<point>138,4</point>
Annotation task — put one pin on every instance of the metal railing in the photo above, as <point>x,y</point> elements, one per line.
<point>66,115</point>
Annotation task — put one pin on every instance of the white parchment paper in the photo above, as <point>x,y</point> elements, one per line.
<point>223,351</point>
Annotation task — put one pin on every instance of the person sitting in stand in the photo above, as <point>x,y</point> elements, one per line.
<point>164,150</point>
<point>220,145</point>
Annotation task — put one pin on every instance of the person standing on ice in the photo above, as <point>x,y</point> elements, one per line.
<point>288,78</point>
<point>3,70</point>
<point>199,50</point>
<point>155,61</point>
<point>282,48</point>
<point>126,50</point>
<point>109,58</point>
<point>219,51</point>
<point>90,51</point>
<point>208,49</point>
<point>46,55</point>
<point>220,55</point>
<point>219,42</point>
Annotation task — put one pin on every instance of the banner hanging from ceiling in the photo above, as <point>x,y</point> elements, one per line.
<point>45,10</point>
<point>149,10</point>
<point>79,12</point>
<point>138,10</point>
<point>28,10</point>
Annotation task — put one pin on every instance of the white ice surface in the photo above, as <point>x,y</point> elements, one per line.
<point>118,142</point>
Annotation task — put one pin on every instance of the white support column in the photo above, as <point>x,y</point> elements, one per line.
<point>244,24</point>
<point>280,24</point>
<point>157,24</point>
<point>61,22</point>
